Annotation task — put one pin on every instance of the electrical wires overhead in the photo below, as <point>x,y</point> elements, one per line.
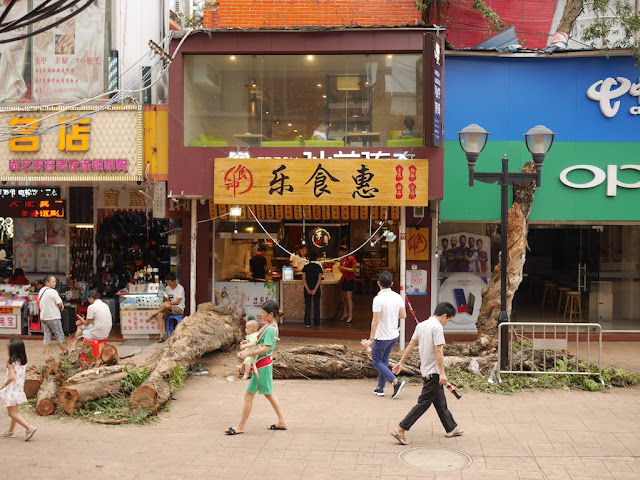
<point>40,13</point>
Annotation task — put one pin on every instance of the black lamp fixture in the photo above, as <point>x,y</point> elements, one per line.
<point>253,83</point>
<point>473,139</point>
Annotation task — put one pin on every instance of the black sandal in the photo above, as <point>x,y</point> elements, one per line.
<point>232,431</point>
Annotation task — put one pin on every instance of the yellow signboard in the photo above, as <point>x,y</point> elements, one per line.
<point>303,181</point>
<point>417,243</point>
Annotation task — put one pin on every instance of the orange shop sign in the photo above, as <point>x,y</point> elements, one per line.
<point>303,181</point>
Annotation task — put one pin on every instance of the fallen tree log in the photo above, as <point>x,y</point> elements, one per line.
<point>52,378</point>
<point>109,355</point>
<point>89,385</point>
<point>210,328</point>
<point>336,361</point>
<point>32,381</point>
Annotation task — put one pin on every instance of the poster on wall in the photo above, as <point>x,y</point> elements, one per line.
<point>417,243</point>
<point>29,231</point>
<point>46,259</point>
<point>464,269</point>
<point>416,282</point>
<point>68,59</point>
<point>249,296</point>
<point>13,58</point>
<point>55,231</point>
<point>25,258</point>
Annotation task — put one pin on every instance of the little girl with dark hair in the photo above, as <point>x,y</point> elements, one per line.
<point>12,391</point>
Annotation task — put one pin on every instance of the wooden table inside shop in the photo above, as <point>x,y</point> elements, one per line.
<point>251,138</point>
<point>292,299</point>
<point>367,137</point>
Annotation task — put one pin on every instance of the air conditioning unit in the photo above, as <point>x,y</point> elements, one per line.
<point>203,73</point>
<point>418,212</point>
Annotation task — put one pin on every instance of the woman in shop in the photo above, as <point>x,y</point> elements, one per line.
<point>18,278</point>
<point>262,383</point>
<point>299,259</point>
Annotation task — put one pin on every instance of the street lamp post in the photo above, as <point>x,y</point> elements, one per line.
<point>473,139</point>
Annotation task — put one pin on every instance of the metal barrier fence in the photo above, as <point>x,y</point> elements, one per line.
<point>554,339</point>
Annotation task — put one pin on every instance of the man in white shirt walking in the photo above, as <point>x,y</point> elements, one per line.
<point>50,316</point>
<point>388,308</point>
<point>429,338</point>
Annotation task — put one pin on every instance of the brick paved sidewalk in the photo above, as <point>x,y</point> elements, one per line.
<point>340,430</point>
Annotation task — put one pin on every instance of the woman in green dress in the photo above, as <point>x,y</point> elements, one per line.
<point>262,382</point>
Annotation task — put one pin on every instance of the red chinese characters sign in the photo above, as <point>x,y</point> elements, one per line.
<point>297,181</point>
<point>33,208</point>
<point>417,243</point>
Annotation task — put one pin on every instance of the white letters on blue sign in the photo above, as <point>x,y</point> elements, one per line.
<point>602,92</point>
<point>599,176</point>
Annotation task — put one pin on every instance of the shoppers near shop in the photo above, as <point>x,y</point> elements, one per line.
<point>174,304</point>
<point>263,382</point>
<point>311,278</point>
<point>429,338</point>
<point>50,316</point>
<point>347,282</point>
<point>97,325</point>
<point>388,308</point>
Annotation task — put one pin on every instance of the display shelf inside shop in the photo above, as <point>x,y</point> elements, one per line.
<point>81,253</point>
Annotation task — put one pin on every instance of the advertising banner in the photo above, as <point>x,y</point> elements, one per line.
<point>303,181</point>
<point>68,60</point>
<point>55,145</point>
<point>463,271</point>
<point>249,296</point>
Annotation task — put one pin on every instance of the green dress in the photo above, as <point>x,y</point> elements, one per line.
<point>263,384</point>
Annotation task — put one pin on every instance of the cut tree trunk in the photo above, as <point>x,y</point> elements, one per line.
<point>90,385</point>
<point>516,255</point>
<point>32,381</point>
<point>210,328</point>
<point>336,361</point>
<point>109,355</point>
<point>52,376</point>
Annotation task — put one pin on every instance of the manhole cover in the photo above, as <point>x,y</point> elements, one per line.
<point>435,459</point>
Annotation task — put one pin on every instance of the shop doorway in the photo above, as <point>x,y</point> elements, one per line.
<point>600,263</point>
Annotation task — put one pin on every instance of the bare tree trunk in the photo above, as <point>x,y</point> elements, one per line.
<point>516,256</point>
<point>89,385</point>
<point>571,12</point>
<point>53,376</point>
<point>210,328</point>
<point>32,381</point>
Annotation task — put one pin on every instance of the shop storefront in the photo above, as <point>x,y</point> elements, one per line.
<point>59,169</point>
<point>584,224</point>
<point>334,127</point>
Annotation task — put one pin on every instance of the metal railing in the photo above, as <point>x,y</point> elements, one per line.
<point>551,341</point>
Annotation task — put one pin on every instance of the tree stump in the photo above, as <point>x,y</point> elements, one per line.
<point>32,381</point>
<point>53,377</point>
<point>89,385</point>
<point>210,328</point>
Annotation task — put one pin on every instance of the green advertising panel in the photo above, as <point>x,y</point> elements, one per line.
<point>581,181</point>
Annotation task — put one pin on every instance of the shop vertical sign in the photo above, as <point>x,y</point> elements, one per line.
<point>433,91</point>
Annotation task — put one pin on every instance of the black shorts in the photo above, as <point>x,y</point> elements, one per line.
<point>347,285</point>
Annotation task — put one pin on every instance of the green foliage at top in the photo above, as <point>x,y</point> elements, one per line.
<point>616,26</point>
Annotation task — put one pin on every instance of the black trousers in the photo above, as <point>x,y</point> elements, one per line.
<point>432,392</point>
<point>316,308</point>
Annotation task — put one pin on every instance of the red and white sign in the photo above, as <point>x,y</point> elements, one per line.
<point>8,321</point>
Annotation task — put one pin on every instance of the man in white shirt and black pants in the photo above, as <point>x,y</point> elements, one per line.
<point>429,338</point>
<point>388,308</point>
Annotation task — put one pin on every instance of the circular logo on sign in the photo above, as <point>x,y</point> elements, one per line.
<point>321,238</point>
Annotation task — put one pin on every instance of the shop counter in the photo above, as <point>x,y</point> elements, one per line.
<point>292,299</point>
<point>11,316</point>
<point>135,309</point>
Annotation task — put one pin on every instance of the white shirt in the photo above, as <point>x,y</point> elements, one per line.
<point>297,263</point>
<point>429,334</point>
<point>316,133</point>
<point>49,301</point>
<point>174,294</point>
<point>100,314</point>
<point>388,303</point>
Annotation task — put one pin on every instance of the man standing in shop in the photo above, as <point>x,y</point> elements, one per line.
<point>299,259</point>
<point>50,316</point>
<point>174,304</point>
<point>429,338</point>
<point>388,308</point>
<point>258,264</point>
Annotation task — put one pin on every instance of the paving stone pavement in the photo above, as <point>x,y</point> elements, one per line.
<point>339,430</point>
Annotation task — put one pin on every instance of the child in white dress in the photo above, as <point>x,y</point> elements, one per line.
<point>12,390</point>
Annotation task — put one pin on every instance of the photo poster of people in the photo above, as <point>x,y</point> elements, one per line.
<point>68,61</point>
<point>464,268</point>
